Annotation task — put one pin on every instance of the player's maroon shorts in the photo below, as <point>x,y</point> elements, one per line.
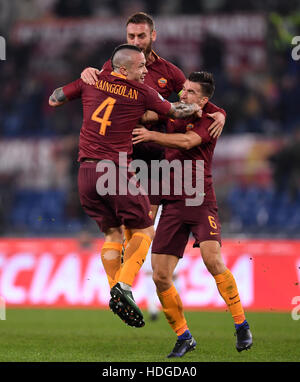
<point>155,200</point>
<point>176,223</point>
<point>111,210</point>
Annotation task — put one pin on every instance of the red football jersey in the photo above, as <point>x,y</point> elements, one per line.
<point>111,110</point>
<point>165,78</point>
<point>203,152</point>
<point>162,76</point>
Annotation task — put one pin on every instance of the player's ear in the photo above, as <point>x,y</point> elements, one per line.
<point>203,101</point>
<point>153,35</point>
<point>123,71</point>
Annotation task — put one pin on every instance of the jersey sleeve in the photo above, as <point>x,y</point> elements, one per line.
<point>201,128</point>
<point>73,90</point>
<point>177,76</point>
<point>156,102</point>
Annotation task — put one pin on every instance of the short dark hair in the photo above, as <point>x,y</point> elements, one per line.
<point>124,46</point>
<point>141,18</point>
<point>206,80</point>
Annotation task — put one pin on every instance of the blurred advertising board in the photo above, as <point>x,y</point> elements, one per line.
<point>64,273</point>
<point>241,37</point>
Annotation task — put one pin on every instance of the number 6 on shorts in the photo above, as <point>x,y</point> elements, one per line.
<point>212,222</point>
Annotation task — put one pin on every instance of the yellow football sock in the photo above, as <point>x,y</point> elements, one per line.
<point>134,257</point>
<point>228,290</point>
<point>127,237</point>
<point>173,310</point>
<point>111,260</point>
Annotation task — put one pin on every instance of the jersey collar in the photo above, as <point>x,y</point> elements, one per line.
<point>156,57</point>
<point>118,75</point>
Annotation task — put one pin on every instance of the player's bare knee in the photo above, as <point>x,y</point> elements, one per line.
<point>214,263</point>
<point>161,280</point>
<point>154,209</point>
<point>212,258</point>
<point>114,234</point>
<point>149,231</point>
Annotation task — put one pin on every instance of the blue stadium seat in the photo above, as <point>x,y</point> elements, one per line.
<point>39,211</point>
<point>262,209</point>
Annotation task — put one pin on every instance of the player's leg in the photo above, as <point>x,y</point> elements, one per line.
<point>227,287</point>
<point>168,246</point>
<point>134,212</point>
<point>163,269</point>
<point>122,301</point>
<point>208,233</point>
<point>135,254</point>
<point>154,211</point>
<point>111,254</point>
<point>98,208</point>
<point>152,300</point>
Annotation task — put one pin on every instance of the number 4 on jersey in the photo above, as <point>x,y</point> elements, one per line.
<point>107,105</point>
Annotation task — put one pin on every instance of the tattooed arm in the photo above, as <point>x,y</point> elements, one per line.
<point>184,110</point>
<point>178,110</point>
<point>57,98</point>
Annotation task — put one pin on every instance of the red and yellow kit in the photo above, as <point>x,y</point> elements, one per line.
<point>111,110</point>
<point>178,220</point>
<point>165,78</point>
<point>203,152</point>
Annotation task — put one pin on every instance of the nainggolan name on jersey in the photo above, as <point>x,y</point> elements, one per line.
<point>121,90</point>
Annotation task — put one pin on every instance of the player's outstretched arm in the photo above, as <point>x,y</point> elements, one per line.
<point>184,110</point>
<point>57,98</point>
<point>184,141</point>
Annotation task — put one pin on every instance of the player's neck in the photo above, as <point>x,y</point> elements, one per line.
<point>150,58</point>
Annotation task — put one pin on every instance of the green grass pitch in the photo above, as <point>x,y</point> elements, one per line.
<point>69,335</point>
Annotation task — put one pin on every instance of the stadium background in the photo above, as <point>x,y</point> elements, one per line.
<point>49,250</point>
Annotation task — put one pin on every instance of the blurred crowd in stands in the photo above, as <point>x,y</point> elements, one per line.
<point>265,103</point>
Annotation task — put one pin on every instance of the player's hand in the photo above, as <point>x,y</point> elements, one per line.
<point>90,76</point>
<point>141,134</point>
<point>199,113</point>
<point>216,128</point>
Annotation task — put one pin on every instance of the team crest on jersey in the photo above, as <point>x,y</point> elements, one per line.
<point>162,82</point>
<point>189,126</point>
